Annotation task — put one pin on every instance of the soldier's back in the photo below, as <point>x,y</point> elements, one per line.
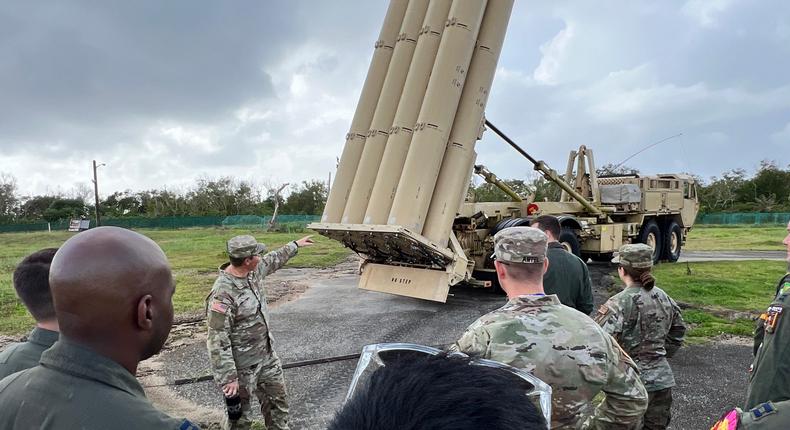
<point>79,390</point>
<point>558,344</point>
<point>642,321</point>
<point>24,355</point>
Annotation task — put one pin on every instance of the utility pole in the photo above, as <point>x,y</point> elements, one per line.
<point>96,191</point>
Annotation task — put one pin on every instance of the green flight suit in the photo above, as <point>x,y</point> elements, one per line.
<point>77,388</point>
<point>765,416</point>
<point>24,355</point>
<point>770,377</point>
<point>568,278</point>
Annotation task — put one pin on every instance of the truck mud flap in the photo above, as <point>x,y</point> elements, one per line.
<point>406,281</point>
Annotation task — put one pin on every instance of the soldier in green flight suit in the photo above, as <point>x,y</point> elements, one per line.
<point>770,376</point>
<point>31,282</point>
<point>113,293</point>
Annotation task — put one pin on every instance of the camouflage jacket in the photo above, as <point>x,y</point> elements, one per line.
<point>648,325</point>
<point>567,350</point>
<point>237,317</point>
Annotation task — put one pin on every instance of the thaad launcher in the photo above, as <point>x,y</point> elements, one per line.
<point>408,156</point>
<point>398,195</point>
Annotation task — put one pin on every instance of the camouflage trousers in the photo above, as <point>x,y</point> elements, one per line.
<point>266,382</point>
<point>659,410</point>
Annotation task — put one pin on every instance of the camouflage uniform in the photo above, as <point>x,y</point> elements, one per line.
<point>239,339</point>
<point>559,345</point>
<point>649,326</point>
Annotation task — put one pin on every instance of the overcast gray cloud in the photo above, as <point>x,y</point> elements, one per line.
<point>164,92</point>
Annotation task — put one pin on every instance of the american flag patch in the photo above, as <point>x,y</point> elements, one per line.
<point>218,306</point>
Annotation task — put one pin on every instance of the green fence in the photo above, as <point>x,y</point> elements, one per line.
<point>247,221</point>
<point>756,218</point>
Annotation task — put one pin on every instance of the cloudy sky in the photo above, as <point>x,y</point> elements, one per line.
<point>166,92</point>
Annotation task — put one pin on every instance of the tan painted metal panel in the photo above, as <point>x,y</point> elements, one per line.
<point>385,111</point>
<point>368,99</point>
<point>453,178</point>
<point>437,113</point>
<point>399,138</point>
<point>406,281</point>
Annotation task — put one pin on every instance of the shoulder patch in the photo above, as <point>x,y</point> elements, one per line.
<point>762,410</point>
<point>217,306</point>
<point>772,319</point>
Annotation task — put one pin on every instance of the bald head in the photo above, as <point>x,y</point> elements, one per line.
<point>112,285</point>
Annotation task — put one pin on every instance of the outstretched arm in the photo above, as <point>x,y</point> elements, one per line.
<point>276,259</point>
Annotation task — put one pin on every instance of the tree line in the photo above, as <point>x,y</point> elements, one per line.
<point>224,196</point>
<point>767,190</point>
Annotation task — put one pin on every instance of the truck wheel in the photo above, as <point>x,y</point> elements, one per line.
<point>651,236</point>
<point>569,240</point>
<point>672,242</point>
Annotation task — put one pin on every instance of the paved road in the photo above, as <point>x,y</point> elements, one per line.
<point>731,255</point>
<point>334,318</point>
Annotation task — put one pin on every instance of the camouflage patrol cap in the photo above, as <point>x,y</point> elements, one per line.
<point>636,255</point>
<point>245,246</point>
<point>520,245</point>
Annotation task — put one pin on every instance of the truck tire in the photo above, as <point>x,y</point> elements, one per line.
<point>569,240</point>
<point>651,236</point>
<point>509,222</point>
<point>673,239</point>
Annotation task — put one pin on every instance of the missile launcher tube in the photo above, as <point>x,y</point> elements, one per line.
<point>385,111</point>
<point>368,99</point>
<point>421,169</point>
<point>400,134</point>
<point>467,128</point>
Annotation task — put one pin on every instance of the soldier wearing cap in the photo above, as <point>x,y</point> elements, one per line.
<point>240,342</point>
<point>558,344</point>
<point>648,325</point>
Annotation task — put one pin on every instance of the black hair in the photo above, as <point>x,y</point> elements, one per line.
<point>644,276</point>
<point>31,282</point>
<point>548,223</point>
<point>237,262</point>
<point>439,392</point>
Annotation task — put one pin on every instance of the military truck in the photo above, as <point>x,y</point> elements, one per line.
<point>398,198</point>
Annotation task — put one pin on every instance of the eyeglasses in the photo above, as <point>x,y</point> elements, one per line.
<point>377,355</point>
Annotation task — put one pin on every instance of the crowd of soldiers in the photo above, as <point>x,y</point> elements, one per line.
<point>103,302</point>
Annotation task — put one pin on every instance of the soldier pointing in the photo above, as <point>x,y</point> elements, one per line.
<point>240,341</point>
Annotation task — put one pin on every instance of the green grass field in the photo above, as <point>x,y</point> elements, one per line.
<point>195,255</point>
<point>730,238</point>
<point>714,288</point>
